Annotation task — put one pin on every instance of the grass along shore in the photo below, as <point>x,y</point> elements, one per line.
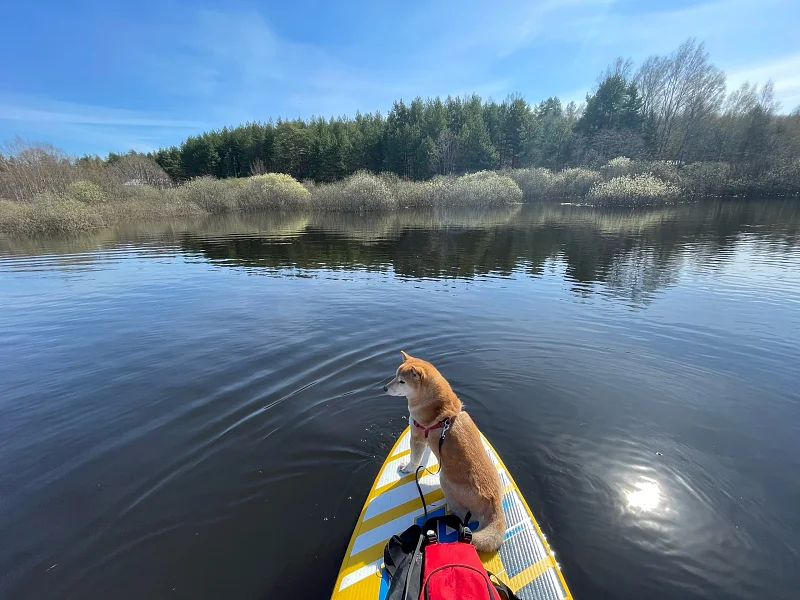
<point>43,192</point>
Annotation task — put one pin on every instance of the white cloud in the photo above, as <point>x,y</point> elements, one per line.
<point>233,65</point>
<point>31,109</point>
<point>784,71</point>
<point>92,128</point>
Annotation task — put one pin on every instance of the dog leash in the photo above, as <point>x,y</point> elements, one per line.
<point>445,425</point>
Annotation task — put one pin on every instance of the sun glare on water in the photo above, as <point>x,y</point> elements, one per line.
<point>646,497</point>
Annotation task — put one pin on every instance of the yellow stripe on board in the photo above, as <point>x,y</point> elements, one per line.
<point>347,563</point>
<point>393,484</point>
<point>493,564</point>
<point>400,454</point>
<point>400,510</point>
<point>402,481</point>
<point>366,556</point>
<point>366,589</point>
<point>524,577</point>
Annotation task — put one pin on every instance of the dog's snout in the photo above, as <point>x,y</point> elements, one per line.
<point>386,388</point>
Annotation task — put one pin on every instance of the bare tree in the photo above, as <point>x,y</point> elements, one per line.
<point>445,153</point>
<point>135,168</point>
<point>683,84</point>
<point>705,97</point>
<point>27,169</point>
<point>621,66</point>
<point>257,167</point>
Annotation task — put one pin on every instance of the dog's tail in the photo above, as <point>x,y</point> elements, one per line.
<point>489,537</point>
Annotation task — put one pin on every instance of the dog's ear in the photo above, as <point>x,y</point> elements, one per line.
<point>406,357</point>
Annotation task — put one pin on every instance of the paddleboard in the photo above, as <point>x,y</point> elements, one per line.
<point>525,561</point>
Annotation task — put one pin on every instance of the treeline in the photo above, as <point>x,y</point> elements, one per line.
<point>670,108</point>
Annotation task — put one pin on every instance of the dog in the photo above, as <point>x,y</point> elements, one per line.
<point>469,480</point>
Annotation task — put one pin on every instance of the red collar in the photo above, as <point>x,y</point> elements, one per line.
<point>443,424</point>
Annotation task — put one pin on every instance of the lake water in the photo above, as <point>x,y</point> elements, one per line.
<point>193,410</point>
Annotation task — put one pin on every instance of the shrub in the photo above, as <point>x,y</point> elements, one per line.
<point>618,167</point>
<point>272,190</point>
<point>86,192</point>
<point>361,192</point>
<point>485,188</point>
<point>212,195</point>
<point>535,182</point>
<point>413,194</point>
<point>49,213</point>
<point>144,202</point>
<point>784,178</point>
<point>707,179</point>
<point>575,183</point>
<point>11,216</point>
<point>663,169</point>
<point>632,190</point>
<point>543,183</point>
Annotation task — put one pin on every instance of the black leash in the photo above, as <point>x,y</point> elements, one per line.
<point>447,423</point>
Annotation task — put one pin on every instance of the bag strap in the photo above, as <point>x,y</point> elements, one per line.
<point>506,592</point>
<point>407,585</point>
<point>399,547</point>
<point>452,521</point>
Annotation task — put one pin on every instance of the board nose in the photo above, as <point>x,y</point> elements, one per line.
<point>386,388</point>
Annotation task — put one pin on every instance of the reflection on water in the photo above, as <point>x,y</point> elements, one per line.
<point>631,253</point>
<point>191,409</point>
<point>646,496</point>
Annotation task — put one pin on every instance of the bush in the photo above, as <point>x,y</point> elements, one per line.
<point>543,183</point>
<point>49,213</point>
<point>414,194</point>
<point>621,166</point>
<point>535,182</point>
<point>575,183</point>
<point>618,167</point>
<point>663,169</point>
<point>361,192</point>
<point>485,188</point>
<point>708,179</point>
<point>632,190</point>
<point>11,216</point>
<point>144,202</point>
<point>272,190</point>
<point>86,192</point>
<point>784,178</point>
<point>212,195</point>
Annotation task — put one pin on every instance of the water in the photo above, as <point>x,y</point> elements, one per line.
<point>192,410</point>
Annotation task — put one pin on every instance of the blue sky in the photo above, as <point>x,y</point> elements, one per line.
<point>94,77</point>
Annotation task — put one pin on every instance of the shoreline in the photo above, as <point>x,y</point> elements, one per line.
<point>88,202</point>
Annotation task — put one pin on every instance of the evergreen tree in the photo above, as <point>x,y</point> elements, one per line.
<point>616,105</point>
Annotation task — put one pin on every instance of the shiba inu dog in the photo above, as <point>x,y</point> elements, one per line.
<point>468,478</point>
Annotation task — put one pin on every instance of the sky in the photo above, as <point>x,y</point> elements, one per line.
<point>93,77</point>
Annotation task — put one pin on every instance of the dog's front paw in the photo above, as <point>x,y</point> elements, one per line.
<point>405,468</point>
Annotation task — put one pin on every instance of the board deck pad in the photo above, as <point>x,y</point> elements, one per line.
<point>525,561</point>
